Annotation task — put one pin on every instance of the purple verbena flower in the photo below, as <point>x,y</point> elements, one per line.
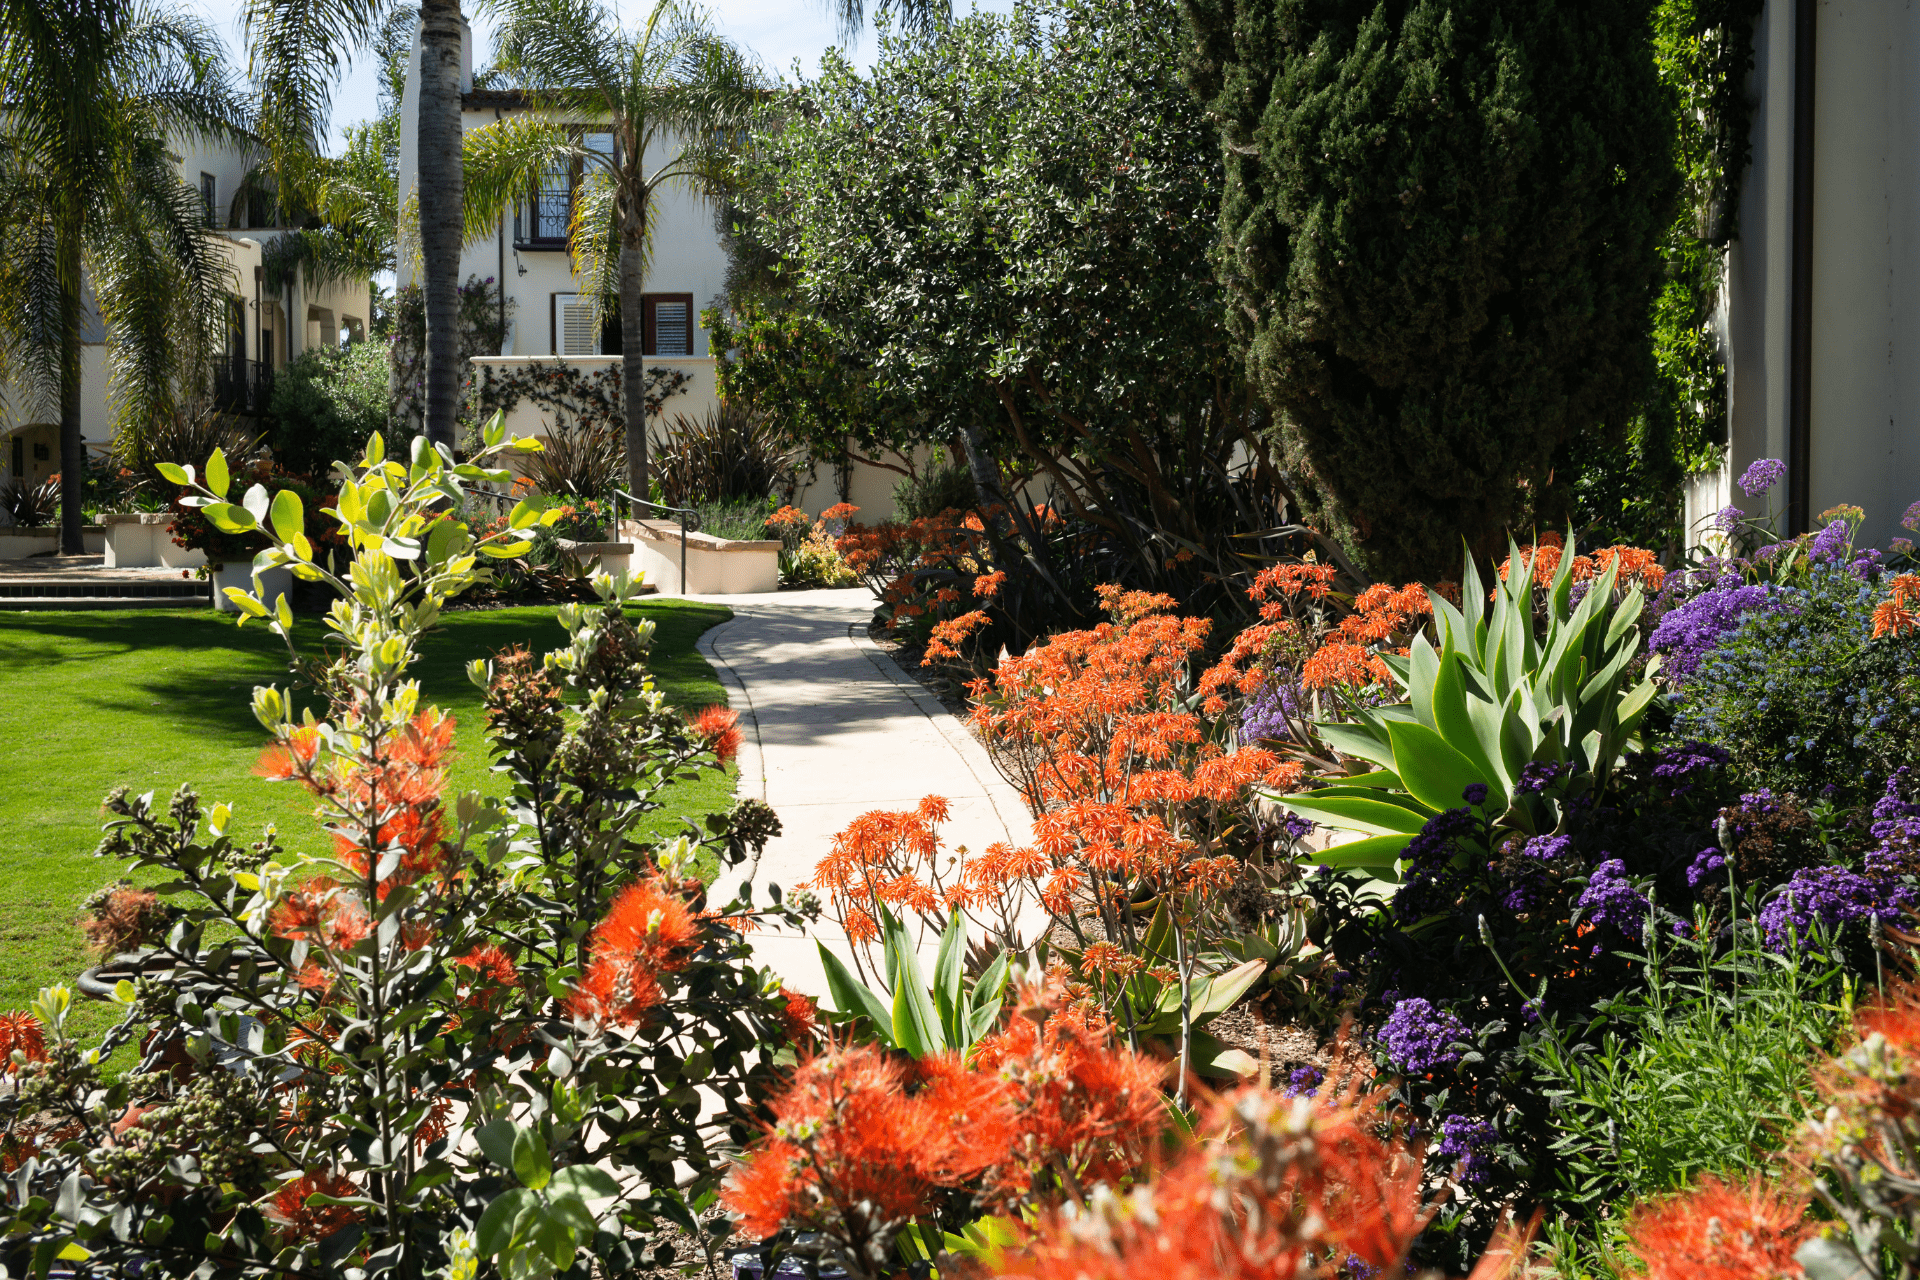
<point>1304,1082</point>
<point>1419,1038</point>
<point>1762,476</point>
<point>1611,899</point>
<point>1547,848</point>
<point>1538,776</point>
<point>1834,896</point>
<point>1475,793</point>
<point>1727,519</point>
<point>1829,544</point>
<point>1469,1144</point>
<point>1688,632</point>
<point>1706,865</point>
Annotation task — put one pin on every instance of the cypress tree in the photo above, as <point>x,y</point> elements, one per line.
<point>1440,235</point>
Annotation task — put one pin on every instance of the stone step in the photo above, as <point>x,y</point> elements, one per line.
<point>103,587</point>
<point>25,603</point>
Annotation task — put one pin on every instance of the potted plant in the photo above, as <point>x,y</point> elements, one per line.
<point>230,555</point>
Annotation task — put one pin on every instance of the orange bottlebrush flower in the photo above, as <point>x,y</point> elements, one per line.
<point>484,974</point>
<point>719,727</point>
<point>290,757</point>
<point>302,1221</point>
<point>1891,618</point>
<point>650,924</point>
<point>21,1031</point>
<point>1721,1231</point>
<point>800,1016</point>
<point>320,913</point>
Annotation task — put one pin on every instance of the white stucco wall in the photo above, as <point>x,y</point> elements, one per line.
<point>1865,385</point>
<point>687,254</point>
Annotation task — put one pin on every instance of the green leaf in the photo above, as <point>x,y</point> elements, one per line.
<point>1217,1061</point>
<point>289,518</point>
<point>217,478</point>
<point>1375,852</point>
<point>916,1024</point>
<point>1351,813</point>
<point>1457,725</point>
<point>852,996</point>
<point>531,1163</point>
<point>228,518</point>
<point>496,1140</point>
<point>500,1223</point>
<point>525,513</point>
<point>949,993</point>
<point>1360,742</point>
<point>257,502</point>
<point>175,473</point>
<point>1218,993</point>
<point>494,432</point>
<point>1435,773</point>
<point>587,1181</point>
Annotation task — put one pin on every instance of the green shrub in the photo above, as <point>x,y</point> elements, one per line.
<point>1440,233</point>
<point>1804,697</point>
<point>946,485</point>
<point>325,404</point>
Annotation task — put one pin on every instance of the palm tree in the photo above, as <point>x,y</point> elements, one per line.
<point>89,196</point>
<point>297,47</point>
<point>673,94</point>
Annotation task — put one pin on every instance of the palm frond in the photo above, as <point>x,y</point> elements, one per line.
<point>503,161</point>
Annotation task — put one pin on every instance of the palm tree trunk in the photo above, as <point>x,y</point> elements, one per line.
<point>440,193</point>
<point>73,447</point>
<point>633,363</point>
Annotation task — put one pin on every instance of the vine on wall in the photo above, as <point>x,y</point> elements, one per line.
<point>1704,49</point>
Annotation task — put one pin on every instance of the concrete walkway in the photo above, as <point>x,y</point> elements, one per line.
<point>833,728</point>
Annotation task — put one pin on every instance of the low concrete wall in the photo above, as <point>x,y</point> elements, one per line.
<point>144,539</point>
<point>715,566</point>
<point>21,544</point>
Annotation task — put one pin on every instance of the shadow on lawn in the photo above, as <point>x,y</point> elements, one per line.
<point>220,705</point>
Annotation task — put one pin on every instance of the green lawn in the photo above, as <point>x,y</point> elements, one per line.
<point>154,698</point>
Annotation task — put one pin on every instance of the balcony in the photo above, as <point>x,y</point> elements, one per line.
<point>243,386</point>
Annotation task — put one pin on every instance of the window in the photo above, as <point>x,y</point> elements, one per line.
<point>575,332</point>
<point>666,326</point>
<point>669,323</point>
<point>549,210</point>
<point>209,193</point>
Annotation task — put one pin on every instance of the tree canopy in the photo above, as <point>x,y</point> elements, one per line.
<point>1440,231</point>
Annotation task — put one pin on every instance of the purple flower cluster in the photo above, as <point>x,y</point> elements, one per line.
<point>1296,827</point>
<point>1528,888</point>
<point>1762,476</point>
<point>1911,520</point>
<point>1687,633</point>
<point>1266,715</point>
<point>1706,865</point>
<point>1431,880</point>
<point>1304,1082</point>
<point>1611,899</point>
<point>1727,519</point>
<point>1419,1038</point>
<point>1469,1144</point>
<point>1475,794</point>
<point>1539,775</point>
<point>1833,896</point>
<point>1682,767</point>
<point>1829,544</point>
<point>1896,825</point>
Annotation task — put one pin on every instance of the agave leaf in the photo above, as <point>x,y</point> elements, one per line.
<point>1473,603</point>
<point>1436,773</point>
<point>1373,852</point>
<point>1209,1057</point>
<point>949,990</point>
<point>1353,813</point>
<point>1457,725</point>
<point>1362,742</point>
<point>1423,669</point>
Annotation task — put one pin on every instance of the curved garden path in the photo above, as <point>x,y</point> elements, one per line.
<point>832,728</point>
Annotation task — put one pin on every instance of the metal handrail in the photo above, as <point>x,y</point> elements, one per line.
<point>683,512</point>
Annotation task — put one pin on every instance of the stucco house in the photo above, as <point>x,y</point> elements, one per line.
<point>1821,311</point>
<point>546,316</point>
<point>267,327</point>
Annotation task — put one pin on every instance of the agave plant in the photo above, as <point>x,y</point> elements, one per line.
<point>1496,705</point>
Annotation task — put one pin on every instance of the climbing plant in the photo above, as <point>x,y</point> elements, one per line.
<point>1704,51</point>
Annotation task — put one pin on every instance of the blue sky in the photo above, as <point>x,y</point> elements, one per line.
<point>778,31</point>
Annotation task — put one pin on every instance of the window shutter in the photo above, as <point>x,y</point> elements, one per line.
<point>576,331</point>
<point>672,329</point>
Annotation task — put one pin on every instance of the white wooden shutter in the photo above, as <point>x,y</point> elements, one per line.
<point>576,330</point>
<point>672,329</point>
